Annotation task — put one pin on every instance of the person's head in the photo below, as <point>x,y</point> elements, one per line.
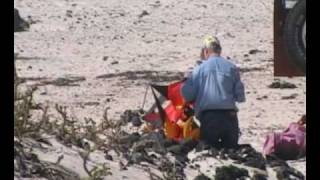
<point>211,46</point>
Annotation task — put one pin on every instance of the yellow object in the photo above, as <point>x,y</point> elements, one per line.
<point>208,40</point>
<point>172,130</point>
<point>190,131</point>
<point>181,130</point>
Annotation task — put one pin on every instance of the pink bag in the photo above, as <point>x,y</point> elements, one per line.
<point>288,145</point>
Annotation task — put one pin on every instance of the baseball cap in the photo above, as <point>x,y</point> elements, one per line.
<point>209,40</point>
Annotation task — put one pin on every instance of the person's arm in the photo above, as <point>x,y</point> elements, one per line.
<point>239,87</point>
<point>188,73</point>
<point>190,86</point>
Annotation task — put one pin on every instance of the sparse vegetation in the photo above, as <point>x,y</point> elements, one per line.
<point>66,130</point>
<point>97,172</point>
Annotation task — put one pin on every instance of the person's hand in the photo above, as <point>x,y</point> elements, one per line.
<point>188,111</point>
<point>188,73</point>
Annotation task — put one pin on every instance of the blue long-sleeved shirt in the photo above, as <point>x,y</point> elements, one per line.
<point>214,84</point>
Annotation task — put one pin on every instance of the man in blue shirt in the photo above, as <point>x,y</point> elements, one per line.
<point>214,87</point>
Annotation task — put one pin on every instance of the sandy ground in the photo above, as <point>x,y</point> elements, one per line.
<point>101,40</point>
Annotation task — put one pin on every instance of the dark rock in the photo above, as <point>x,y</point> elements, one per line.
<point>292,96</point>
<point>175,149</point>
<point>250,69</point>
<point>182,159</point>
<point>223,154</point>
<point>91,103</point>
<point>255,162</point>
<point>288,173</point>
<point>69,13</point>
<point>105,58</point>
<point>142,145</point>
<point>202,177</point>
<point>274,161</point>
<point>230,172</point>
<point>153,156</point>
<point>64,81</point>
<point>114,62</point>
<point>201,146</point>
<point>129,139</point>
<point>169,142</point>
<point>254,51</point>
<point>44,141</point>
<point>246,155</point>
<point>282,85</point>
<point>282,169</point>
<point>156,136</point>
<point>188,145</point>
<point>108,157</point>
<point>136,121</point>
<point>128,116</point>
<point>178,172</point>
<point>171,170</point>
<point>214,152</point>
<point>158,139</point>
<point>32,157</point>
<point>165,165</point>
<point>122,166</point>
<point>144,13</point>
<point>137,157</point>
<point>19,23</point>
<point>141,111</point>
<point>257,176</point>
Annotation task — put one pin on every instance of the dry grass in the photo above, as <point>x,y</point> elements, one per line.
<point>66,130</point>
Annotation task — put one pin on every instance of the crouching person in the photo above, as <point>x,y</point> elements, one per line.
<point>215,86</point>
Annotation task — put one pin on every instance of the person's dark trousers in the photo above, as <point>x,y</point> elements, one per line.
<point>219,128</point>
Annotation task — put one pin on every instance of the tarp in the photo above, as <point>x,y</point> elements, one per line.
<point>173,112</point>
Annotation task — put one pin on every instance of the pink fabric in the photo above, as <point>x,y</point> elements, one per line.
<point>289,144</point>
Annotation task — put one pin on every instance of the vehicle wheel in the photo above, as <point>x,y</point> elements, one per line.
<point>295,34</point>
<point>19,23</point>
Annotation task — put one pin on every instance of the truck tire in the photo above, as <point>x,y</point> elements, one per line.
<point>295,34</point>
<point>19,23</point>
